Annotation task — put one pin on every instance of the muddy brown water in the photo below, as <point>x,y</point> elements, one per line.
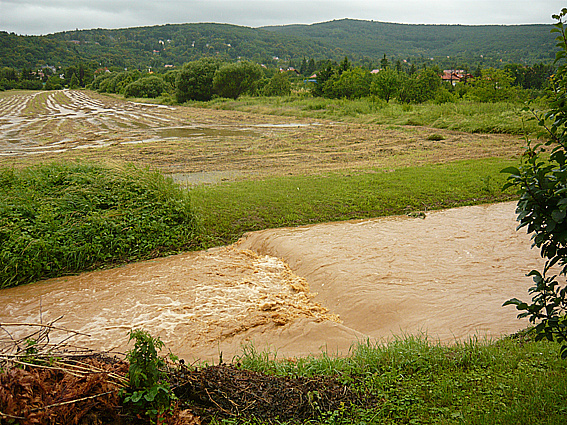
<point>299,291</point>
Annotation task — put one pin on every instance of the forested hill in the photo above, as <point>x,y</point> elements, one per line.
<point>367,41</point>
<point>510,43</point>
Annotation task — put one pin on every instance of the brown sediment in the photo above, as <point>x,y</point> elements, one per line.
<point>192,301</point>
<point>182,141</point>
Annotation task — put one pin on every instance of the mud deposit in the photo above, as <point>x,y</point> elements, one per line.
<point>302,290</point>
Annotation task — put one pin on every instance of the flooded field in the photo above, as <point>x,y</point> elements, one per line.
<point>70,124</point>
<point>295,290</point>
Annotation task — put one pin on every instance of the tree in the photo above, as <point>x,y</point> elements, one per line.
<point>195,80</point>
<point>324,74</point>
<point>278,85</point>
<point>384,62</point>
<point>147,87</point>
<point>420,87</point>
<point>542,208</point>
<point>53,83</point>
<point>235,79</point>
<point>344,65</point>
<point>494,85</point>
<point>386,84</point>
<point>352,84</point>
<point>74,83</point>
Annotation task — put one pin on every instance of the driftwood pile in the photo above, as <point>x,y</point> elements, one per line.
<point>42,382</point>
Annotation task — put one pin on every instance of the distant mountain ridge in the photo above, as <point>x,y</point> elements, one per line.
<point>369,41</point>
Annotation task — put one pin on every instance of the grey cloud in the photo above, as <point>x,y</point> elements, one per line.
<point>47,16</point>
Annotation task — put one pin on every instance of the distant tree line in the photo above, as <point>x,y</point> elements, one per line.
<point>362,41</point>
<point>47,77</point>
<point>206,78</point>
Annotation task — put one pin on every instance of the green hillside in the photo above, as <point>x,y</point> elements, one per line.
<point>512,43</point>
<point>157,46</point>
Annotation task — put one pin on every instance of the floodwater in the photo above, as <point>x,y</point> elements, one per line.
<point>302,290</point>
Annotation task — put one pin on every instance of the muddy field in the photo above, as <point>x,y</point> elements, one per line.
<point>295,291</point>
<point>204,144</point>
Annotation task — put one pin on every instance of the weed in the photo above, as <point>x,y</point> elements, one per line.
<point>435,137</point>
<point>148,391</point>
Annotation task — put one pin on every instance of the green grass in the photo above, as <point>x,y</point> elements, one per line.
<point>61,219</point>
<point>414,380</point>
<point>467,116</point>
<point>228,210</point>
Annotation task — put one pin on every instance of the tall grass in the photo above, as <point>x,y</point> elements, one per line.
<point>462,115</point>
<point>59,219</point>
<point>415,380</point>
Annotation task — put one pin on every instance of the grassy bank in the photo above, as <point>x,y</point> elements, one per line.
<point>61,219</point>
<point>415,381</point>
<point>228,210</point>
<point>462,115</point>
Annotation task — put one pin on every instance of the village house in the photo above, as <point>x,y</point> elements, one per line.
<point>454,76</point>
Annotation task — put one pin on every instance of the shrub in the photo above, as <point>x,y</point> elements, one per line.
<point>386,84</point>
<point>147,87</point>
<point>195,80</point>
<point>148,391</point>
<point>542,208</point>
<point>278,85</point>
<point>59,219</point>
<point>53,83</point>
<point>352,84</point>
<point>235,79</point>
<point>30,85</point>
<point>494,85</point>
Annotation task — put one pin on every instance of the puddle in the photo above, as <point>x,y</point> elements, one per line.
<point>288,125</point>
<point>188,132</point>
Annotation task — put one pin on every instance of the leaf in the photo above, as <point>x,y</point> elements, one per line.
<point>137,396</point>
<point>511,170</point>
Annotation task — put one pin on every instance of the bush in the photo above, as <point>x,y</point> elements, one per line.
<point>147,87</point>
<point>117,82</point>
<point>494,85</point>
<point>30,85</point>
<point>444,96</point>
<point>59,219</point>
<point>235,79</point>
<point>386,84</point>
<point>53,83</point>
<point>352,84</point>
<point>542,208</point>
<point>420,87</point>
<point>148,391</point>
<point>278,85</point>
<point>195,80</point>
<point>95,85</point>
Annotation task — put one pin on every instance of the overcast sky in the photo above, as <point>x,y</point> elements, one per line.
<point>48,16</point>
